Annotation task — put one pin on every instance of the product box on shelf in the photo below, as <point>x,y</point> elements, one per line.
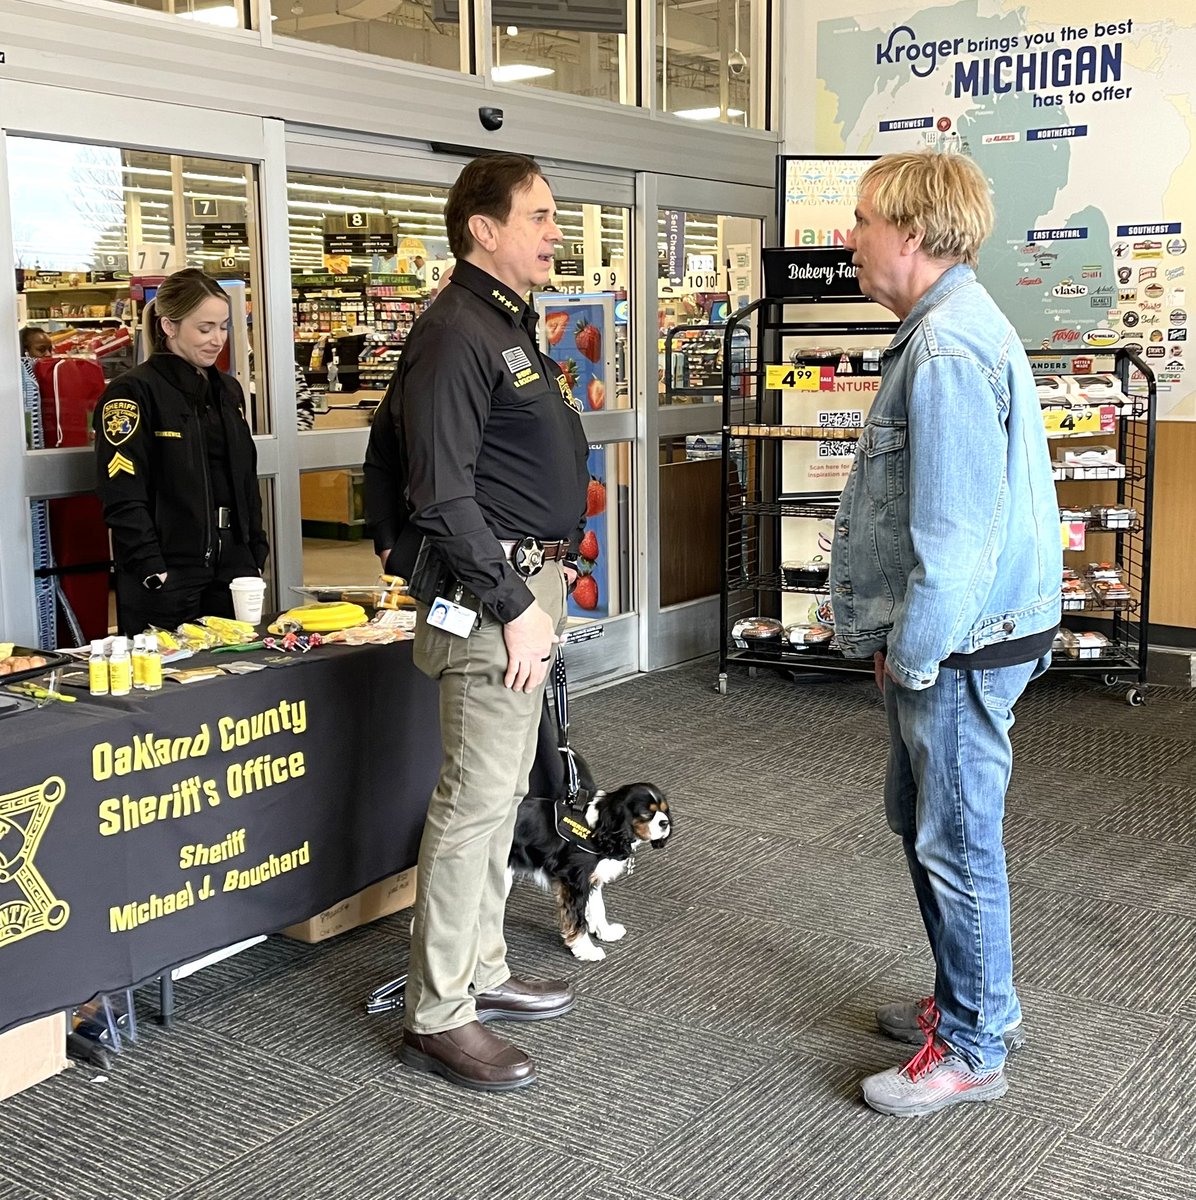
<point>389,895</point>
<point>32,1052</point>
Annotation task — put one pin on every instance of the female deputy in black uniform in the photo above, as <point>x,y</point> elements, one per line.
<point>177,468</point>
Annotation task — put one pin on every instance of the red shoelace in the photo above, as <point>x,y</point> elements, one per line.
<point>933,1051</point>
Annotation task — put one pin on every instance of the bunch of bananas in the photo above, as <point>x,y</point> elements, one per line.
<point>320,618</point>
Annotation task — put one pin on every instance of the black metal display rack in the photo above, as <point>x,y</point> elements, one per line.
<point>1125,525</point>
<point>753,505</point>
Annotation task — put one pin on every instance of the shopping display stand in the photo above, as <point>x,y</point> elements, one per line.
<point>755,381</point>
<point>754,501</point>
<point>1120,615</point>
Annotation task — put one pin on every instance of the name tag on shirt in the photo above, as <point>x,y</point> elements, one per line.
<point>452,618</point>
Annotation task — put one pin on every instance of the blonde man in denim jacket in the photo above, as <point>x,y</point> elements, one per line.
<point>946,568</point>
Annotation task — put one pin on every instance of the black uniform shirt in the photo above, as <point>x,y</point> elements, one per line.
<point>491,436</point>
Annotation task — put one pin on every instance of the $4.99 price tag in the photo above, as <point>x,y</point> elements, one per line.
<point>799,379</point>
<point>1075,420</point>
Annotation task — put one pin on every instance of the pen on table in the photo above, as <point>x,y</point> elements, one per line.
<point>40,693</point>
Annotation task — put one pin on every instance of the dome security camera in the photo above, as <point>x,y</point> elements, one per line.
<point>491,118</point>
<point>737,63</point>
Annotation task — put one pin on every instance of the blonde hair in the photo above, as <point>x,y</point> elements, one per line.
<point>944,195</point>
<point>178,295</point>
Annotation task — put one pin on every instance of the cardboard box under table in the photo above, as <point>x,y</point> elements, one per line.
<point>31,1052</point>
<point>389,895</point>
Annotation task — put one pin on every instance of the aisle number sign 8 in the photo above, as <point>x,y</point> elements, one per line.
<point>785,378</point>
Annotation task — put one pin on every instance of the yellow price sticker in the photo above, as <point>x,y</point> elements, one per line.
<point>1072,420</point>
<point>793,379</point>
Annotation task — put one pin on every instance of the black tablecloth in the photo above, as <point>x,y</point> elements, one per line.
<point>143,832</point>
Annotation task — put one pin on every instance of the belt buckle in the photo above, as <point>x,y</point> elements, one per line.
<point>527,556</point>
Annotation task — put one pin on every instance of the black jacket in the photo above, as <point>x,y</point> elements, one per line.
<point>387,515</point>
<point>152,467</point>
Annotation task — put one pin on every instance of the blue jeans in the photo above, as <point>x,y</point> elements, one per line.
<point>949,766</point>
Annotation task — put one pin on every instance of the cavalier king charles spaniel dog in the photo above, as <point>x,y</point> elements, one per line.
<point>572,852</point>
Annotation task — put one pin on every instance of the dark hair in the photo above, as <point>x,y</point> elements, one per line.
<point>487,187</point>
<point>178,295</point>
<point>27,335</point>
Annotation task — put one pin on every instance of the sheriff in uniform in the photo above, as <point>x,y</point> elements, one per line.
<point>494,460</point>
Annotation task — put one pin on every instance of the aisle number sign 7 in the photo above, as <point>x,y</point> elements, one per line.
<point>154,258</point>
<point>785,378</point>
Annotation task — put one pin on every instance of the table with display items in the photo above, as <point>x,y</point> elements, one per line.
<point>142,832</point>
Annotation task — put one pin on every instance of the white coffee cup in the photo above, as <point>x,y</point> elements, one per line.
<point>249,593</point>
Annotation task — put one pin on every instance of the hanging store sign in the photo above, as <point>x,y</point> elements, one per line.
<point>223,235</point>
<point>811,273</point>
<point>359,245</point>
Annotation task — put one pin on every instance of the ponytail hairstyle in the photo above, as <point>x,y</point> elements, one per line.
<point>178,295</point>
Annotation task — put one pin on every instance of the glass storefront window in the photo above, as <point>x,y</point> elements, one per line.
<point>427,32</point>
<point>708,268</point>
<point>367,256</point>
<point>95,230</point>
<point>581,50</point>
<point>710,60</point>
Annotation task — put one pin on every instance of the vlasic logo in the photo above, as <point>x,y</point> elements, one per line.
<point>1101,336</point>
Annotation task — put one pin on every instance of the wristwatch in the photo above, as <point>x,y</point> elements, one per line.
<point>152,583</point>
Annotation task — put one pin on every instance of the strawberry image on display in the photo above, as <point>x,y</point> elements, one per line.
<point>589,546</point>
<point>595,498</point>
<point>585,594</point>
<point>555,325</point>
<point>589,340</point>
<point>596,394</point>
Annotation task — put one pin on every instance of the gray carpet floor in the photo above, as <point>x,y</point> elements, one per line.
<point>717,1052</point>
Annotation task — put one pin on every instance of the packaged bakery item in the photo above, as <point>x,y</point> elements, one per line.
<point>757,633</point>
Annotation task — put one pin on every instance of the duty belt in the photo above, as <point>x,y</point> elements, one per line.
<point>529,554</point>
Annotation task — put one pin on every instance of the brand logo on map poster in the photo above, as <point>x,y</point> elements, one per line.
<point>990,138</point>
<point>1153,291</point>
<point>1125,274</point>
<point>1068,288</point>
<point>1120,249</point>
<point>1145,273</point>
<point>1177,335</point>
<point>1179,316</point>
<point>1065,335</point>
<point>1176,246</point>
<point>1101,337</point>
<point>1029,281</point>
<point>1155,351</point>
<point>1090,271</point>
<point>1174,272</point>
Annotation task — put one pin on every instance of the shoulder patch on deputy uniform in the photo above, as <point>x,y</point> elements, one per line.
<point>118,463</point>
<point>119,420</point>
<point>567,394</point>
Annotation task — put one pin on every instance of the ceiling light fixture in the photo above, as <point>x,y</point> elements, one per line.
<point>223,17</point>
<point>517,72</point>
<point>706,114</point>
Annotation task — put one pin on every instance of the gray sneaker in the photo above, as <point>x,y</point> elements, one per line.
<point>907,1021</point>
<point>935,1078</point>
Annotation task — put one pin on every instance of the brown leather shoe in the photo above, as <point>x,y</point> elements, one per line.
<point>525,1000</point>
<point>469,1056</point>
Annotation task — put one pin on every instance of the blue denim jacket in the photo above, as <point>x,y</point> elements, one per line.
<point>947,535</point>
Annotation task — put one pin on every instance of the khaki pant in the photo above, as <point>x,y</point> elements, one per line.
<point>489,735</point>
